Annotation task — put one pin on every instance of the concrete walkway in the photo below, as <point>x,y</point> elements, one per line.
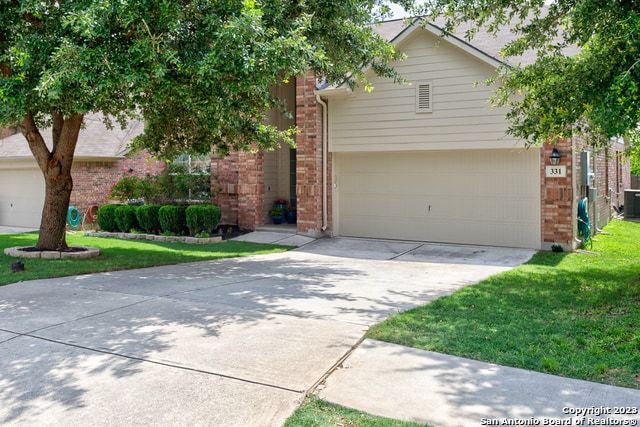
<point>240,342</point>
<point>445,391</point>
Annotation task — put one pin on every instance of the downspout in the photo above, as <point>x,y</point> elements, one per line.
<point>325,149</point>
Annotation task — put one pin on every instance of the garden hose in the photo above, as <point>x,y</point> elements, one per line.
<point>92,213</point>
<point>584,225</point>
<point>73,216</point>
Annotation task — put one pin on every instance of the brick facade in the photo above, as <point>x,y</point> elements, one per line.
<point>251,190</point>
<point>612,178</point>
<point>92,181</point>
<point>560,196</point>
<point>226,174</point>
<point>309,160</point>
<point>556,199</point>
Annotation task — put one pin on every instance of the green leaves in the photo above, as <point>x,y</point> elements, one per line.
<point>200,72</point>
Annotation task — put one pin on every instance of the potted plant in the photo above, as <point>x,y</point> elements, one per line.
<point>290,215</point>
<point>280,203</point>
<point>277,215</point>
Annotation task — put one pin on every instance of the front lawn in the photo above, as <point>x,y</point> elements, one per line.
<point>570,314</point>
<point>315,412</point>
<point>119,254</point>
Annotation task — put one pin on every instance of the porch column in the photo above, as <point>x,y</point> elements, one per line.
<point>309,159</point>
<point>557,199</point>
<point>250,190</point>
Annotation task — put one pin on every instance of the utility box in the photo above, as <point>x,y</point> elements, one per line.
<point>632,203</point>
<point>586,167</point>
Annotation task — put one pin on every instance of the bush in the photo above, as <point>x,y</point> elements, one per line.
<point>148,218</point>
<point>126,218</point>
<point>107,218</point>
<point>202,218</point>
<point>127,187</point>
<point>173,219</point>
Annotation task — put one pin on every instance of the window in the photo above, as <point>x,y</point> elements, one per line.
<point>194,164</point>
<point>424,97</point>
<point>191,177</point>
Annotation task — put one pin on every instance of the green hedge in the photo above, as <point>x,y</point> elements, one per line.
<point>149,218</point>
<point>173,219</point>
<point>202,218</point>
<point>126,218</point>
<point>107,218</point>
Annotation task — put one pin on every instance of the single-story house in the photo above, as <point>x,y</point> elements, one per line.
<point>100,159</point>
<point>429,161</point>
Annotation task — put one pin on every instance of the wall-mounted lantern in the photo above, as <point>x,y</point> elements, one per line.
<point>554,158</point>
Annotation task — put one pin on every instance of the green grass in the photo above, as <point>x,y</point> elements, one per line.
<point>119,254</point>
<point>318,413</point>
<point>575,315</point>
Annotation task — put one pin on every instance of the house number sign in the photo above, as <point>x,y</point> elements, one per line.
<point>556,171</point>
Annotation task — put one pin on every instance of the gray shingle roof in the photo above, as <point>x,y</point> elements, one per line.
<point>95,140</point>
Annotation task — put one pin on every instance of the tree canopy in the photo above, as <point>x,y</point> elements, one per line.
<point>200,73</point>
<point>594,92</point>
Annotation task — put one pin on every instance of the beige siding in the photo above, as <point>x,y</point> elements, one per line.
<point>270,180</point>
<point>385,119</point>
<point>276,163</point>
<point>488,197</point>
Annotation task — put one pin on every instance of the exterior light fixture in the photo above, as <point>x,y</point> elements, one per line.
<point>555,156</point>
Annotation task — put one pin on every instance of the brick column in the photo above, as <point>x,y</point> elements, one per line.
<point>309,158</point>
<point>557,199</point>
<point>250,190</point>
<point>224,173</point>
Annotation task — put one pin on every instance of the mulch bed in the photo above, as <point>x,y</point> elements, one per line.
<point>69,249</point>
<point>229,231</point>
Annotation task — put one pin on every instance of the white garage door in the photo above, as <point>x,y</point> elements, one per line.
<point>21,197</point>
<point>488,197</point>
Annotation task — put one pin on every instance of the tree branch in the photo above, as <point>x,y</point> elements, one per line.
<point>5,70</point>
<point>36,142</point>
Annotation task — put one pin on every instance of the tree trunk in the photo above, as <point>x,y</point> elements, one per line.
<point>55,165</point>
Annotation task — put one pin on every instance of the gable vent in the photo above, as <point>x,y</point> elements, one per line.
<point>424,97</point>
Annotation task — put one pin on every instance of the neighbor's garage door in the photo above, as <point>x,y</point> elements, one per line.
<point>488,197</point>
<point>21,197</point>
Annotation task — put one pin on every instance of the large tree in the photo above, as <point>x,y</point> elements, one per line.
<point>199,72</point>
<point>594,92</point>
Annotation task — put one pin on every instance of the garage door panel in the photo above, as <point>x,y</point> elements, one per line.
<point>21,197</point>
<point>477,197</point>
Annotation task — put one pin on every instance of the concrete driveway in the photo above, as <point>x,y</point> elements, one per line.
<point>235,342</point>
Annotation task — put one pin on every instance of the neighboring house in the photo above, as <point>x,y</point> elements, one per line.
<point>100,159</point>
<point>429,161</point>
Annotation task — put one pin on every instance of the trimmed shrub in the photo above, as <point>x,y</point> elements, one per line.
<point>107,218</point>
<point>126,218</point>
<point>202,218</point>
<point>148,218</point>
<point>172,218</point>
